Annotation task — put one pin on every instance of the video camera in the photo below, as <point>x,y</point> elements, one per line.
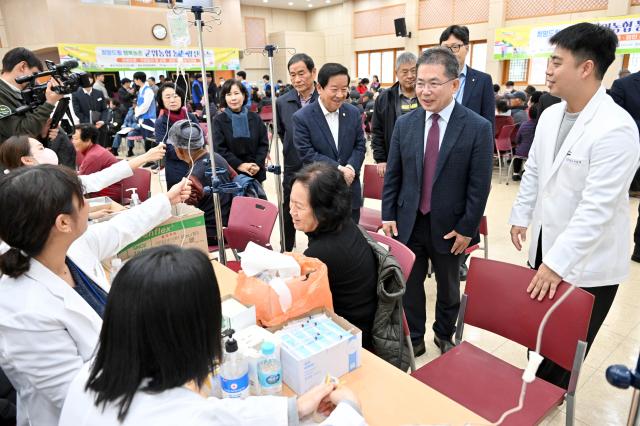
<point>68,82</point>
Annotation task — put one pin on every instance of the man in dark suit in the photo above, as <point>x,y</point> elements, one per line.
<point>90,106</point>
<point>626,93</point>
<point>435,190</point>
<point>330,130</point>
<point>476,88</point>
<point>302,72</point>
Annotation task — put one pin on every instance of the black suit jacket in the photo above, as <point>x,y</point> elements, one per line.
<point>287,105</point>
<point>461,182</point>
<point>478,95</point>
<point>314,141</point>
<point>626,93</point>
<point>382,122</point>
<point>83,104</point>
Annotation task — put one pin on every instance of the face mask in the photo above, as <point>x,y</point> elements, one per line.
<point>46,156</point>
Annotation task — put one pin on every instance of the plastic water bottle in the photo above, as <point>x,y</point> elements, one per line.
<point>269,370</point>
<point>234,373</point>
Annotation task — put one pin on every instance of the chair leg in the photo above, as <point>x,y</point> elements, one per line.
<point>571,407</point>
<point>499,168</point>
<point>486,247</point>
<point>510,170</point>
<point>412,358</point>
<point>581,349</point>
<point>460,320</point>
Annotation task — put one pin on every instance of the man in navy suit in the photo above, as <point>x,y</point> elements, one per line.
<point>476,88</point>
<point>435,190</point>
<point>626,92</point>
<point>330,130</point>
<point>302,72</point>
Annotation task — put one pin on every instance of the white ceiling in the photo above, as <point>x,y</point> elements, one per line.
<point>292,4</point>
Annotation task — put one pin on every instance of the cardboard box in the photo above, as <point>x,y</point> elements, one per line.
<point>186,224</point>
<point>336,358</point>
<point>236,315</point>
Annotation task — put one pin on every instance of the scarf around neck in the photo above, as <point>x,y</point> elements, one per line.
<point>239,122</point>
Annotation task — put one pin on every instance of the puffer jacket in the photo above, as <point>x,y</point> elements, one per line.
<point>387,333</point>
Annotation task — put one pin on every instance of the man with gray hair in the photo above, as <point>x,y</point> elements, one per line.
<point>433,198</point>
<point>398,100</point>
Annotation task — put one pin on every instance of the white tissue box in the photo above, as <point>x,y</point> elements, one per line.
<point>236,315</point>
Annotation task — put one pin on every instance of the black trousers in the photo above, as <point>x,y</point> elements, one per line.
<point>604,296</point>
<point>7,401</point>
<point>355,215</point>
<point>289,230</point>
<point>447,269</point>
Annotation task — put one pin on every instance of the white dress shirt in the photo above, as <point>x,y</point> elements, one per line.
<point>333,120</point>
<point>445,116</point>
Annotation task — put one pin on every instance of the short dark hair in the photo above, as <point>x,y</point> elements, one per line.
<point>125,81</point>
<point>329,70</point>
<point>509,83</point>
<point>329,195</point>
<point>162,322</point>
<point>88,132</point>
<point>588,41</point>
<point>161,76</point>
<point>502,106</point>
<point>535,97</point>
<point>458,31</point>
<point>364,81</point>
<point>496,88</point>
<point>529,90</point>
<point>152,79</point>
<point>139,75</point>
<point>226,88</point>
<point>533,112</point>
<point>12,150</point>
<point>17,55</point>
<point>35,196</point>
<point>266,77</point>
<point>115,102</point>
<point>301,57</point>
<point>166,86</point>
<point>242,74</point>
<point>440,56</point>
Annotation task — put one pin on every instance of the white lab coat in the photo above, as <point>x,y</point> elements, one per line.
<point>580,199</point>
<point>181,406</point>
<point>105,177</point>
<point>47,331</point>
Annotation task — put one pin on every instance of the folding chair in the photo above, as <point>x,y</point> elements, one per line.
<point>510,169</point>
<point>371,219</point>
<point>405,258</point>
<point>496,300</point>
<point>141,180</point>
<point>250,219</point>
<point>484,232</point>
<point>266,114</point>
<point>504,150</point>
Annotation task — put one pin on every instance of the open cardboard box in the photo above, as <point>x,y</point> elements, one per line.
<point>301,374</point>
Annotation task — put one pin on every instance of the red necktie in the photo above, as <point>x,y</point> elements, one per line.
<point>429,164</point>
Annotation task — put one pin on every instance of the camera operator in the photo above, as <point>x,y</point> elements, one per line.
<point>19,62</point>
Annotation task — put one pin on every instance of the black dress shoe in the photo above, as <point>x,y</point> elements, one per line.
<point>636,253</point>
<point>463,272</point>
<point>445,345</point>
<point>418,348</point>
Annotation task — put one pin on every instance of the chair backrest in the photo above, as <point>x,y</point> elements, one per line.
<point>402,253</point>
<point>497,301</point>
<point>253,107</point>
<point>250,219</point>
<point>503,141</point>
<point>141,180</point>
<point>372,184</point>
<point>484,229</point>
<point>205,129</point>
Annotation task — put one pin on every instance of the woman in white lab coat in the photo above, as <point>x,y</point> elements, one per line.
<point>19,151</point>
<point>53,285</point>
<point>159,342</point>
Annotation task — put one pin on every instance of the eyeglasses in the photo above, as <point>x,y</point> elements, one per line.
<point>455,48</point>
<point>433,85</point>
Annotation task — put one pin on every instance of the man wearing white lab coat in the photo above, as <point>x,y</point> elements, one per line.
<point>573,194</point>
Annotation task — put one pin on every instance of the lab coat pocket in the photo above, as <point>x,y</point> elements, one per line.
<point>574,172</point>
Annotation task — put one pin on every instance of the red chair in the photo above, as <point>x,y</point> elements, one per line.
<point>250,219</point>
<point>504,149</point>
<point>405,258</point>
<point>205,129</point>
<point>483,230</point>
<point>266,114</point>
<point>496,300</point>
<point>253,107</point>
<point>372,184</point>
<point>141,180</point>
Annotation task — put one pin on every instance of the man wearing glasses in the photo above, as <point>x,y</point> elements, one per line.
<point>476,88</point>
<point>398,100</point>
<point>435,189</point>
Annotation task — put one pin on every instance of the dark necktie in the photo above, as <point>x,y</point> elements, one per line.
<point>429,164</point>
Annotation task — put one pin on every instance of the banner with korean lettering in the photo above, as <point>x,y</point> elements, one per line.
<point>530,41</point>
<point>117,57</point>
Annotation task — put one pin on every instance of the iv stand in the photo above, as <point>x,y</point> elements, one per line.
<point>276,169</point>
<point>197,12</point>
<point>623,377</point>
